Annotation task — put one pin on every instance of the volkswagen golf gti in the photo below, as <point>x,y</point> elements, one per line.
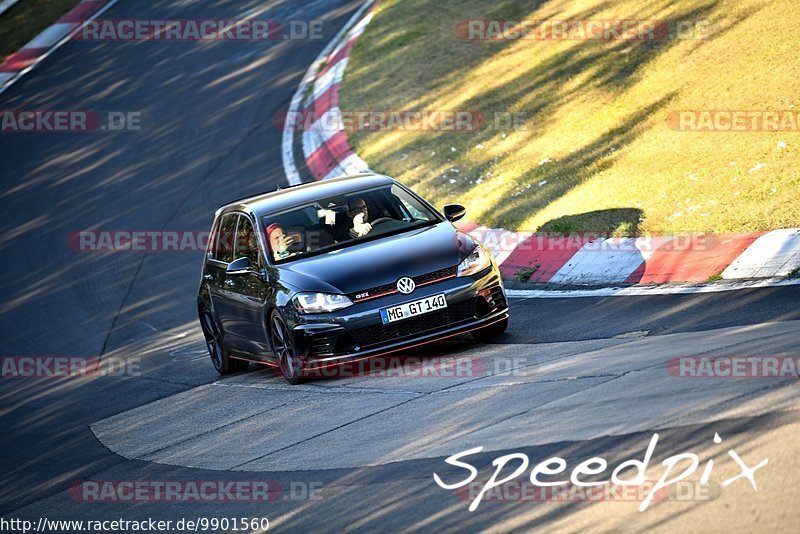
<point>321,274</point>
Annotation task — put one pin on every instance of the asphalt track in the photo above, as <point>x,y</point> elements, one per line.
<point>573,377</point>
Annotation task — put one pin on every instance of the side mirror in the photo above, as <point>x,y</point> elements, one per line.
<point>239,266</point>
<point>454,212</point>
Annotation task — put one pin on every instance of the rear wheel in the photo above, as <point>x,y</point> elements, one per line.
<point>290,365</point>
<point>223,363</point>
<point>488,333</point>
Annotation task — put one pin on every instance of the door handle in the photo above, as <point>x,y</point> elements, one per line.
<point>208,277</point>
<point>229,282</point>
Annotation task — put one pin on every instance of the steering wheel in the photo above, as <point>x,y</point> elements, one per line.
<point>381,220</point>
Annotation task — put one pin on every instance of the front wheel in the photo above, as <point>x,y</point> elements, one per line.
<point>223,363</point>
<point>290,365</point>
<point>488,333</point>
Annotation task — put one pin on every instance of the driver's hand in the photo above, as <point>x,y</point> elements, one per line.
<point>360,228</point>
<point>286,241</point>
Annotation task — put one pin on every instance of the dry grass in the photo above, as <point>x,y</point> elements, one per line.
<point>596,152</point>
<point>26,19</point>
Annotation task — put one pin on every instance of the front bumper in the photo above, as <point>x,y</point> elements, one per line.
<point>358,332</point>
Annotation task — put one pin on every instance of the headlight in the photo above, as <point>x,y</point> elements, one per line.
<point>320,302</point>
<point>477,260</point>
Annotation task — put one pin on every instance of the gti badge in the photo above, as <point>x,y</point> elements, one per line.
<point>405,285</point>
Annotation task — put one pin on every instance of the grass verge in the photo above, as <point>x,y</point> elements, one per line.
<point>596,151</point>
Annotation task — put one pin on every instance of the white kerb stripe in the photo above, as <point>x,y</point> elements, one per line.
<point>353,164</point>
<point>496,240</point>
<point>608,261</point>
<point>325,81</point>
<point>359,28</point>
<point>312,140</point>
<point>344,42</point>
<point>5,5</point>
<point>323,129</point>
<point>776,253</point>
<point>5,76</point>
<point>51,35</point>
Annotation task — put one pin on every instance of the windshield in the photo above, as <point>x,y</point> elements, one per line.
<point>344,220</point>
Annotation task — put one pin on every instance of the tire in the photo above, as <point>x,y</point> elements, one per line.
<point>290,365</point>
<point>220,359</point>
<point>488,333</point>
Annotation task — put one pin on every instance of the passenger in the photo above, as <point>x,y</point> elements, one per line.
<point>279,242</point>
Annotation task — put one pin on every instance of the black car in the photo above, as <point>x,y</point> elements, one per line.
<point>320,274</point>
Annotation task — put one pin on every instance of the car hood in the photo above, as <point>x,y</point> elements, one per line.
<point>383,261</point>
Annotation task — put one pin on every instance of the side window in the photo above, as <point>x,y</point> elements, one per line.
<point>223,241</point>
<point>411,204</point>
<point>246,241</point>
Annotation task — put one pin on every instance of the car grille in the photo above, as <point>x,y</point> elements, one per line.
<point>418,280</point>
<point>441,273</point>
<point>414,326</point>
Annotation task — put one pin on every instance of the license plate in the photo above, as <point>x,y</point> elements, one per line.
<point>414,308</point>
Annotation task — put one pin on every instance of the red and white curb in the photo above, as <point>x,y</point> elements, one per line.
<point>327,151</point>
<point>549,259</point>
<point>586,260</point>
<point>50,39</point>
<point>644,291</point>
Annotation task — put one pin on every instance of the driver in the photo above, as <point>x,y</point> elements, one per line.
<point>279,242</point>
<point>358,212</point>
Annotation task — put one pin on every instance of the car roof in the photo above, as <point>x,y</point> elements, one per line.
<point>296,195</point>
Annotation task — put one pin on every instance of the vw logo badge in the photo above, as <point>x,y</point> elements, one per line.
<point>406,285</point>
